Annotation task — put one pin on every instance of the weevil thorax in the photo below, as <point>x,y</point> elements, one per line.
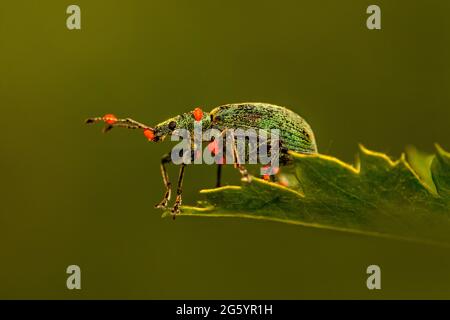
<point>183,121</point>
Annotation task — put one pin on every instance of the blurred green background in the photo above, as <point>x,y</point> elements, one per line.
<point>71,195</point>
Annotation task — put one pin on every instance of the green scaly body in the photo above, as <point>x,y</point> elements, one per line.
<point>295,132</point>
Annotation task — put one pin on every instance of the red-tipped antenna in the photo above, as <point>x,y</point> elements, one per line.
<point>112,121</point>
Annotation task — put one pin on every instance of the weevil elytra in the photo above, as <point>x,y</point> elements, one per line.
<point>295,134</point>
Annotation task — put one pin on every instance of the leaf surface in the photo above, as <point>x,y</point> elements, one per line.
<point>408,198</point>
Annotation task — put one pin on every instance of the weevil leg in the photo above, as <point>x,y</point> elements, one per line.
<point>165,160</point>
<point>218,153</point>
<point>176,206</point>
<point>236,158</point>
<point>219,175</point>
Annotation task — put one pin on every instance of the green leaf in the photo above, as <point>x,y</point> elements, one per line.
<point>408,198</point>
<point>440,171</point>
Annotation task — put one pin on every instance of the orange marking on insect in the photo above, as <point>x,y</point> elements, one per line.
<point>109,118</point>
<point>149,134</point>
<point>275,170</point>
<point>198,154</point>
<point>198,114</point>
<point>213,147</point>
<point>221,160</point>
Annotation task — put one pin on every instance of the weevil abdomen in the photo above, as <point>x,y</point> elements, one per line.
<point>295,132</point>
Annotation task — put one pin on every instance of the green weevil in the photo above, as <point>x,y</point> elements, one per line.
<point>295,134</point>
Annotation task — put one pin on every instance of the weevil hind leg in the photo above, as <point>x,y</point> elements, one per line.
<point>163,203</point>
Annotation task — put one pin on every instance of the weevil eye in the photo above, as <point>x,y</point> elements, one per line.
<point>172,125</point>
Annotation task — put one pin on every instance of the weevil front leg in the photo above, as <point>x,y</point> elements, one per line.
<point>163,204</point>
<point>176,207</point>
<point>165,160</point>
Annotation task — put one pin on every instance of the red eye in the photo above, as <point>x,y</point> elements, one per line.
<point>149,134</point>
<point>109,118</point>
<point>198,114</point>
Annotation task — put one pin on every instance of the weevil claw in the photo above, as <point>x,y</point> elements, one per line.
<point>164,201</point>
<point>176,207</point>
<point>162,204</point>
<point>174,211</point>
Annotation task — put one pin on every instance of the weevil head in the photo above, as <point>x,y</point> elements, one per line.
<point>184,121</point>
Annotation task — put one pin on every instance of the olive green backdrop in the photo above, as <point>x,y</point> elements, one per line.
<point>71,195</point>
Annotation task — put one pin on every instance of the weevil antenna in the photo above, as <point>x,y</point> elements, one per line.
<point>111,121</point>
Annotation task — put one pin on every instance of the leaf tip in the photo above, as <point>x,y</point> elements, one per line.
<point>362,148</point>
<point>440,151</point>
<point>403,158</point>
